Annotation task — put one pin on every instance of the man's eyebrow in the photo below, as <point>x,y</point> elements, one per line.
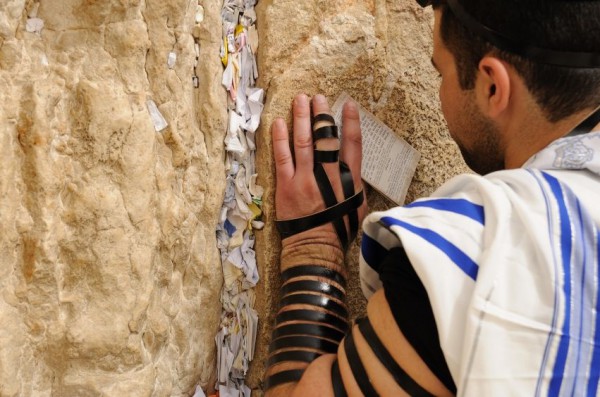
<point>434,64</point>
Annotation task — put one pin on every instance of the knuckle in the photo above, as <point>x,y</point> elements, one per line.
<point>303,142</point>
<point>356,139</point>
<point>301,111</point>
<point>282,159</point>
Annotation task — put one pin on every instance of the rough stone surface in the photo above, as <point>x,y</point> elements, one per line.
<point>109,272</point>
<point>379,51</point>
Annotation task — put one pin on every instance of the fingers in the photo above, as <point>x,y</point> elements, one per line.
<point>284,164</point>
<point>303,145</point>
<point>351,152</point>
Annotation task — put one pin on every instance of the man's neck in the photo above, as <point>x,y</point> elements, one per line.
<point>531,134</point>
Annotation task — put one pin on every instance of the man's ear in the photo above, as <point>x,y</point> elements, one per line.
<point>493,86</point>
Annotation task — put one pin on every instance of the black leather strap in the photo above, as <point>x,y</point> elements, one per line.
<point>322,117</point>
<point>402,378</point>
<point>290,227</point>
<point>318,330</point>
<point>312,286</point>
<point>326,156</point>
<point>348,187</point>
<point>328,131</point>
<point>329,198</point>
<point>315,271</point>
<point>357,367</point>
<point>312,315</point>
<point>336,380</point>
<point>304,356</point>
<point>307,342</point>
<point>315,300</point>
<point>282,377</point>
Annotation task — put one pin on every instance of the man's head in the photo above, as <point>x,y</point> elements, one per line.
<point>557,91</point>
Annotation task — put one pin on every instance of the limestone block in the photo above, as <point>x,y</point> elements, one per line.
<point>379,51</point>
<point>110,275</point>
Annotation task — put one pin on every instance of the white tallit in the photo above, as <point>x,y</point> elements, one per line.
<point>510,264</point>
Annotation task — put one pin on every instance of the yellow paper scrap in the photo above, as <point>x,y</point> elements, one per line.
<point>256,212</point>
<point>238,30</point>
<point>225,52</point>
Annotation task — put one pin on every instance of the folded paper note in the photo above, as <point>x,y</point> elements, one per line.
<point>389,162</point>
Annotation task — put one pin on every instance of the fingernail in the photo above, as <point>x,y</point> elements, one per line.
<point>319,99</point>
<point>300,99</point>
<point>351,105</point>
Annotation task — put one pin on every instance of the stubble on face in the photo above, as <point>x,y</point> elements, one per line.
<point>479,141</point>
<point>477,137</point>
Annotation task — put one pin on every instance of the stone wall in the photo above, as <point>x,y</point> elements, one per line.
<point>109,272</point>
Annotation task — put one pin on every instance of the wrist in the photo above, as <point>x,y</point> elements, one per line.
<point>318,246</point>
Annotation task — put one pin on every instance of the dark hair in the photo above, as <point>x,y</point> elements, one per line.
<point>560,25</point>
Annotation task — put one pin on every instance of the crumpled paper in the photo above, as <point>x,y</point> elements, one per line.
<point>241,211</point>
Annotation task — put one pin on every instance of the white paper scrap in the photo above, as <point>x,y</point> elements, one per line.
<point>252,331</point>
<point>157,118</point>
<point>243,198</point>
<point>255,104</point>
<point>199,392</point>
<point>34,25</point>
<point>389,162</point>
<point>199,14</point>
<point>171,59</point>
<point>227,79</point>
<point>225,391</point>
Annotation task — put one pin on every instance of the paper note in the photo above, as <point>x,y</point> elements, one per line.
<point>241,210</point>
<point>34,25</point>
<point>389,162</point>
<point>198,392</point>
<point>171,59</point>
<point>157,118</point>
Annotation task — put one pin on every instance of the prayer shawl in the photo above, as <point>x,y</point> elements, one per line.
<point>510,263</point>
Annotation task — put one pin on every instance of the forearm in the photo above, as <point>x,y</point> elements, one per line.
<point>313,316</point>
<point>320,206</point>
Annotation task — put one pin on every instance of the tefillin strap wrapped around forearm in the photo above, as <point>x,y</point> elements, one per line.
<point>303,334</point>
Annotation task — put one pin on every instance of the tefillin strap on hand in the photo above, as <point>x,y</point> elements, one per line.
<point>334,211</point>
<point>303,334</point>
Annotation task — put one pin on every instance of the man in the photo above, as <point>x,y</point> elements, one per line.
<point>490,286</point>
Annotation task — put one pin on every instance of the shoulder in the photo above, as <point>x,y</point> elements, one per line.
<point>467,203</point>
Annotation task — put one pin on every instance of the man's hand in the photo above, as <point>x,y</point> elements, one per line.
<point>297,193</point>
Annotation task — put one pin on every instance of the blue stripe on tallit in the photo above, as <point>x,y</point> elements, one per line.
<point>566,250</point>
<point>455,254</point>
<point>575,371</point>
<point>551,334</point>
<point>373,253</point>
<point>457,206</point>
<point>583,277</point>
<point>576,344</point>
<point>594,377</point>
